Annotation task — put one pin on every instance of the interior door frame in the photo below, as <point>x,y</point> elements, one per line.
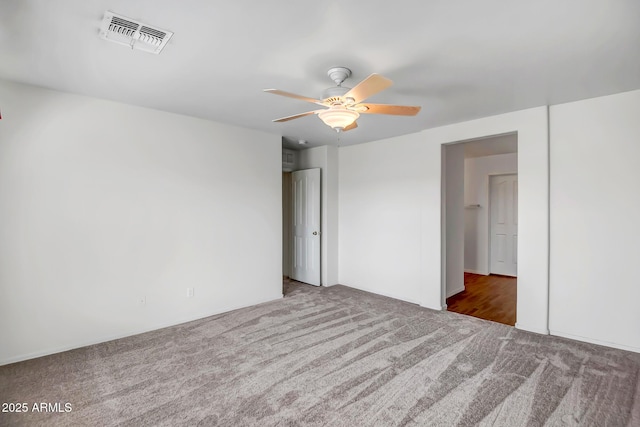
<point>443,217</point>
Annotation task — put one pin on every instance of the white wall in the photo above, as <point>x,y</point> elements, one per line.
<point>595,206</point>
<point>380,203</point>
<point>476,192</point>
<point>390,213</point>
<point>103,204</point>
<point>326,158</point>
<point>332,254</point>
<point>453,165</point>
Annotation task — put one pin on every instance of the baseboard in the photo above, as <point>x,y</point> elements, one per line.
<point>482,273</point>
<point>436,307</point>
<point>529,329</point>
<point>455,291</point>
<point>595,341</point>
<point>33,355</point>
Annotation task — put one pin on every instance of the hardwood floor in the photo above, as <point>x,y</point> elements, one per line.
<point>487,297</point>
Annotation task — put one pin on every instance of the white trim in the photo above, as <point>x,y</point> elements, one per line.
<point>443,307</point>
<point>534,330</point>
<point>597,342</point>
<point>455,291</point>
<point>482,273</point>
<point>55,350</point>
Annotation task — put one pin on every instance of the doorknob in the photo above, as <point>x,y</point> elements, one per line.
<point>315,233</point>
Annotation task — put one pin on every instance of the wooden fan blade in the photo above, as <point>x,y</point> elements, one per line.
<point>396,110</point>
<point>370,86</point>
<point>296,116</point>
<point>294,96</point>
<point>351,126</point>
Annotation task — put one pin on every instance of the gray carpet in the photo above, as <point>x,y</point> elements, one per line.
<point>336,357</point>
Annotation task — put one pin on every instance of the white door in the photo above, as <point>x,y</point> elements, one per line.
<point>504,224</point>
<point>306,226</point>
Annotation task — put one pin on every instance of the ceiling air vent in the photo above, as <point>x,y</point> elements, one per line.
<point>128,32</point>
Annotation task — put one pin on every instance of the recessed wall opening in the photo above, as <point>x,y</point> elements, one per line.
<point>480,212</point>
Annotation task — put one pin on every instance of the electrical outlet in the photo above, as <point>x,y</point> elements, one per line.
<point>189,292</point>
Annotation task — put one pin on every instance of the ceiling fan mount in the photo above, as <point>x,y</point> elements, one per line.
<point>339,74</point>
<point>344,105</point>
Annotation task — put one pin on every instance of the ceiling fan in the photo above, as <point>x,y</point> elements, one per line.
<point>345,104</point>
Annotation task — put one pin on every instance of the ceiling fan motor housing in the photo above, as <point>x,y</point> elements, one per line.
<point>334,92</point>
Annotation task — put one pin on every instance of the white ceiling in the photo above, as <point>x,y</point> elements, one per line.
<point>459,60</point>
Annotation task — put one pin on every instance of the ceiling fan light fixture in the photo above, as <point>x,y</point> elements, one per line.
<point>338,118</point>
<point>345,104</point>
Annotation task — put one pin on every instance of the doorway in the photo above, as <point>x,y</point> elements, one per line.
<point>305,190</point>
<point>302,226</point>
<point>480,197</point>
